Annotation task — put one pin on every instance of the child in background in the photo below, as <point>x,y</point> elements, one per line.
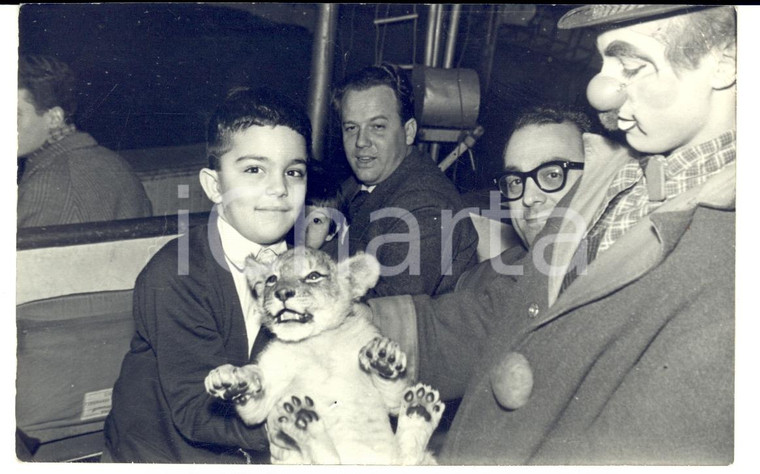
<point>323,221</point>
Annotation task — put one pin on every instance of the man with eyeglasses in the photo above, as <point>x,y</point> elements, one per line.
<point>543,159</point>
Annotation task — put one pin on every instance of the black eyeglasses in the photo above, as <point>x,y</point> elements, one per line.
<point>550,178</point>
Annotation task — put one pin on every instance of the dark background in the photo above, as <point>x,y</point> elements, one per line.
<point>151,74</point>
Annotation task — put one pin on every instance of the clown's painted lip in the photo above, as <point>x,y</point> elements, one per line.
<point>626,125</point>
<point>289,316</point>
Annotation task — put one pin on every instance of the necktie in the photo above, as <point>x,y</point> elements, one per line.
<point>356,203</point>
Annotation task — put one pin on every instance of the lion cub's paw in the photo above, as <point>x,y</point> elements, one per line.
<point>422,401</point>
<point>419,415</point>
<point>233,383</point>
<point>383,357</point>
<point>297,417</point>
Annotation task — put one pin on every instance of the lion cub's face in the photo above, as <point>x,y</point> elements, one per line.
<point>305,292</point>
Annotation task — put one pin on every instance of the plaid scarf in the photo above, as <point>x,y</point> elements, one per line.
<point>630,196</point>
<point>59,133</point>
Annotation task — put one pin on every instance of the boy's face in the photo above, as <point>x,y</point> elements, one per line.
<point>660,108</point>
<point>317,226</point>
<point>261,183</point>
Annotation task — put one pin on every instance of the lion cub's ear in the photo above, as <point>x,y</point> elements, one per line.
<point>256,273</point>
<point>362,271</point>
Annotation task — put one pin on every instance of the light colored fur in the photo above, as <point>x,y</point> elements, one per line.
<point>326,351</point>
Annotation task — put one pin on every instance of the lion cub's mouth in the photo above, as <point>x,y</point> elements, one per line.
<point>290,316</point>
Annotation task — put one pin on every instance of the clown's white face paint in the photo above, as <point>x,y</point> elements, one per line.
<point>638,91</point>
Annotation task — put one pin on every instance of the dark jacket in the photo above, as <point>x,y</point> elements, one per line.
<point>418,189</point>
<point>187,323</point>
<point>633,363</point>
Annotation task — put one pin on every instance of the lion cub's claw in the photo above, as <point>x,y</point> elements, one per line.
<point>233,383</point>
<point>383,357</point>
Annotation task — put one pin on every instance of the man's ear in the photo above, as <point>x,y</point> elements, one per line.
<point>210,183</point>
<point>55,117</point>
<point>725,71</point>
<point>410,128</point>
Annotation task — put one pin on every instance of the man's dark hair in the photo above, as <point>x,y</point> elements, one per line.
<point>245,107</point>
<point>548,114</point>
<point>49,82</point>
<point>383,75</point>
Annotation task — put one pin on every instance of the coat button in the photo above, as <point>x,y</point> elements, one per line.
<point>512,381</point>
<point>533,310</point>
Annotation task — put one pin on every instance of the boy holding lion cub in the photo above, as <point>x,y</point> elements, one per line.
<point>193,309</point>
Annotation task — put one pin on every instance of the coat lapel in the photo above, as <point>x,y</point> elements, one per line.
<point>604,158</point>
<point>646,245</point>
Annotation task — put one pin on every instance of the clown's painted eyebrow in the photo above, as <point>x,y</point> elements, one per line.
<point>621,49</point>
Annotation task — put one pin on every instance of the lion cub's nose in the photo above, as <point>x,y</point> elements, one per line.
<point>284,293</point>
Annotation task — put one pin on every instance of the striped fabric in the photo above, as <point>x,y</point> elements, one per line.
<point>74,180</point>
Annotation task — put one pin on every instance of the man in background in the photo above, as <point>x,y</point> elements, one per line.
<point>67,177</point>
<point>397,198</point>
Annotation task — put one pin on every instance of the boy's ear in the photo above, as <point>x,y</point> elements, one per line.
<point>410,129</point>
<point>210,183</point>
<point>56,118</point>
<point>725,71</point>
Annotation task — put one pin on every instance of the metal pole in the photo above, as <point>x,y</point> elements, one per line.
<point>451,39</point>
<point>437,41</point>
<point>430,36</point>
<point>486,64</point>
<point>322,56</point>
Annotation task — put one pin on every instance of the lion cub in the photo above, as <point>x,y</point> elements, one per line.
<point>327,383</point>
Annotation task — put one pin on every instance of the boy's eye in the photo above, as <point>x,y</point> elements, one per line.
<point>253,170</point>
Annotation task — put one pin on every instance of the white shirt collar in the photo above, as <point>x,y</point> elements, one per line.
<point>237,248</point>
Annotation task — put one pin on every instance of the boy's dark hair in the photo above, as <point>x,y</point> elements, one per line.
<point>383,75</point>
<point>322,190</point>
<point>244,107</point>
<point>548,114</point>
<point>321,187</point>
<point>50,83</point>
